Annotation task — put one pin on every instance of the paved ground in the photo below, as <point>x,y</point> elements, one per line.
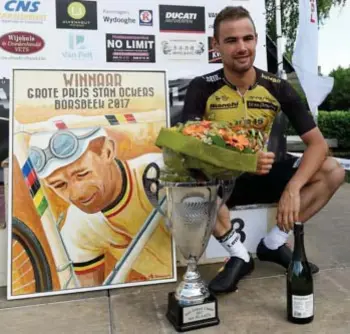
<point>258,307</point>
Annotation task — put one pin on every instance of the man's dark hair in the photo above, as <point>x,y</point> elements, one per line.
<point>231,13</point>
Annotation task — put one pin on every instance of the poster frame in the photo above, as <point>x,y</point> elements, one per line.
<point>10,296</point>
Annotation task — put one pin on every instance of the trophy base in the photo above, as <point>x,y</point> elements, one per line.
<point>187,318</point>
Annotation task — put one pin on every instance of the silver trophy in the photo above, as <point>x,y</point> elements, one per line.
<point>192,209</point>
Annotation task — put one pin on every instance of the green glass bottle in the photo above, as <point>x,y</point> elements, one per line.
<point>300,287</point>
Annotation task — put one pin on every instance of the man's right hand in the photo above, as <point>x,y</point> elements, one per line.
<point>265,161</point>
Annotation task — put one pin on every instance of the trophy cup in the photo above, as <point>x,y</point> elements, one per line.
<point>192,209</point>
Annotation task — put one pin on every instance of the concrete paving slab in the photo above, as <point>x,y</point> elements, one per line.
<point>258,307</point>
<point>4,303</point>
<point>79,317</point>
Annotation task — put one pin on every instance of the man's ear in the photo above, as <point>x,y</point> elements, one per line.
<point>108,150</point>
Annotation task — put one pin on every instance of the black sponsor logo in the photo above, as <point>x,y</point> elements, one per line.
<point>221,98</point>
<point>130,48</point>
<point>256,123</point>
<point>219,106</point>
<point>214,57</point>
<point>72,14</point>
<point>262,105</point>
<point>181,19</point>
<point>145,17</point>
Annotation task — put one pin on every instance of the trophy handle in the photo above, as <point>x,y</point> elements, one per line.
<point>227,187</point>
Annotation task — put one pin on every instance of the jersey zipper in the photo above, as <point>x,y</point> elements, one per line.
<point>245,106</point>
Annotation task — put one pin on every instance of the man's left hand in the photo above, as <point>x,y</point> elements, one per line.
<point>288,209</point>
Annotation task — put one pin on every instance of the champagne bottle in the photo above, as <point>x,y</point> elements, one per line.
<point>300,288</point>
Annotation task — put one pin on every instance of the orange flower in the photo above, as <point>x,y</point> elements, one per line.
<point>193,129</point>
<point>223,133</point>
<point>236,128</point>
<point>243,140</point>
<point>206,124</point>
<point>239,142</point>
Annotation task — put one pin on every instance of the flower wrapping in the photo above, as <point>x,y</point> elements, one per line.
<point>212,149</point>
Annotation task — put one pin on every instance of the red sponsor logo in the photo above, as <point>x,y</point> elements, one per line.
<point>20,42</point>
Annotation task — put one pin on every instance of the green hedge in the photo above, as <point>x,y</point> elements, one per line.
<point>333,125</point>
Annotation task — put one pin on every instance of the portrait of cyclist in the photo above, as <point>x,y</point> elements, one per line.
<point>242,93</point>
<point>109,200</point>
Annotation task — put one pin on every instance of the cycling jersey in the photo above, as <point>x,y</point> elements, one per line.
<point>214,98</point>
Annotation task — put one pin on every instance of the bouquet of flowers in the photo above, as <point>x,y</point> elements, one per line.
<point>211,149</point>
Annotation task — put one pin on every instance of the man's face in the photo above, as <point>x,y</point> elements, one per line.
<point>236,43</point>
<point>87,183</point>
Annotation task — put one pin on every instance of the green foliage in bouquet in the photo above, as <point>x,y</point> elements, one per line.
<point>208,149</point>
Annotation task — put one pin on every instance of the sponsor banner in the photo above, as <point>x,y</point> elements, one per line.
<point>77,46</point>
<point>146,17</point>
<point>182,49</point>
<point>119,17</point>
<point>211,15</point>
<point>126,17</point>
<point>213,56</point>
<point>27,12</point>
<point>130,48</point>
<point>181,19</point>
<point>80,14</point>
<point>21,45</point>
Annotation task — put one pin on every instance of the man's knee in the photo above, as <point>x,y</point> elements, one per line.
<point>332,173</point>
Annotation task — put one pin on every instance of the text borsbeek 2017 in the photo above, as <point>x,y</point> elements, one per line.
<point>91,104</point>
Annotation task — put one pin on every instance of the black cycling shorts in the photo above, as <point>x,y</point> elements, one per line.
<point>263,189</point>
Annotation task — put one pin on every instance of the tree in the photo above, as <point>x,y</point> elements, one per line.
<point>339,98</point>
<point>290,18</point>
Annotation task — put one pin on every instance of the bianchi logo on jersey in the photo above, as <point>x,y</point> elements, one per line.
<point>220,106</point>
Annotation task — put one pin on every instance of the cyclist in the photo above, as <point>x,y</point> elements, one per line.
<point>243,93</point>
<point>109,201</point>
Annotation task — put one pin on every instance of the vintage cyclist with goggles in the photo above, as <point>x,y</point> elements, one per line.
<point>109,200</point>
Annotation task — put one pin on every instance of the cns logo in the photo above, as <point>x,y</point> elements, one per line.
<point>22,11</point>
<point>22,6</point>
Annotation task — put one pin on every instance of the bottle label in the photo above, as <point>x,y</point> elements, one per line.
<point>303,306</point>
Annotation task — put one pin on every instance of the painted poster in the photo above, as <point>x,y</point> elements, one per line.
<point>84,181</point>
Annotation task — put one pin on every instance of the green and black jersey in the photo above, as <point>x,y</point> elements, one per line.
<point>212,97</point>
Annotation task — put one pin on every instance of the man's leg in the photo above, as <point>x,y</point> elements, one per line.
<point>240,262</point>
<point>314,196</point>
<point>321,188</point>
